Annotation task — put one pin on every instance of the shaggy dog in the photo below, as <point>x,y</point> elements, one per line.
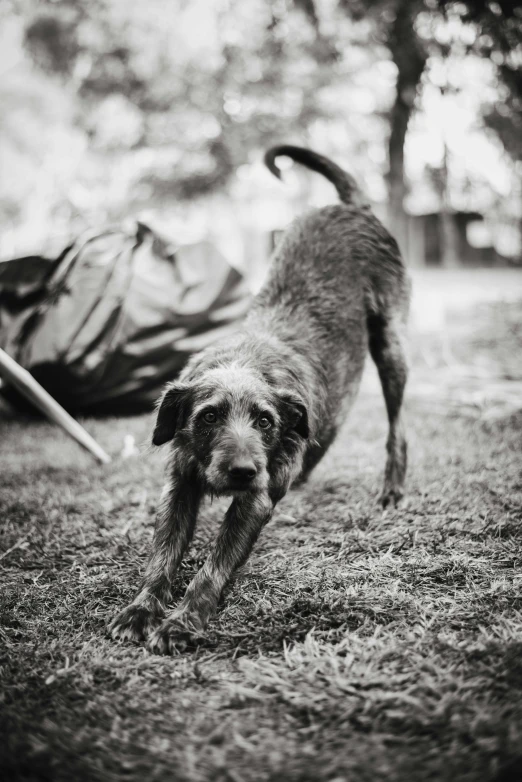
<point>252,414</point>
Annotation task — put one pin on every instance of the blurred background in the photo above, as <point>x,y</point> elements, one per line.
<point>162,110</point>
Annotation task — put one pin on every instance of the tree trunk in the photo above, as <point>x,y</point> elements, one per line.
<point>449,244</point>
<point>410,59</point>
<point>449,235</point>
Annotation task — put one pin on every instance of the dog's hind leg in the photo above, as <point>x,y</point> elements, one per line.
<point>388,354</point>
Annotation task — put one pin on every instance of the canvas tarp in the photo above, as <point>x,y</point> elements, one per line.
<point>104,326</point>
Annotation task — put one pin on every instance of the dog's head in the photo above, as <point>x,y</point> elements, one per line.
<point>233,425</point>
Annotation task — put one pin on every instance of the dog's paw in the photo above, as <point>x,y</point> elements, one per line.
<point>391,496</point>
<point>174,636</point>
<point>134,623</point>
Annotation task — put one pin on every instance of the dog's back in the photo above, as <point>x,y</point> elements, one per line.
<point>341,245</point>
<point>335,277</point>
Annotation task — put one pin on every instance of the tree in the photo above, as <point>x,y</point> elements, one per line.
<point>213,102</point>
<point>499,38</point>
<point>498,27</point>
<point>255,73</point>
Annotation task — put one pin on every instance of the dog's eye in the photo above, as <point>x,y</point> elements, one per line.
<point>209,417</point>
<point>264,422</point>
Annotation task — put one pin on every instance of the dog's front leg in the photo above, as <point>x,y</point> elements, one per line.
<point>173,532</point>
<point>243,522</point>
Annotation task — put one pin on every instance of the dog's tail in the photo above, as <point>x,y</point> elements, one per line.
<point>345,184</point>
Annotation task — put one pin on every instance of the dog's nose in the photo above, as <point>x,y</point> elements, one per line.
<point>243,470</point>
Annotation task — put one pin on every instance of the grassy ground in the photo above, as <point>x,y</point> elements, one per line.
<point>355,644</point>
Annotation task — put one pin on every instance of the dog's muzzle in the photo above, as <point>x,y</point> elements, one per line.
<point>241,474</point>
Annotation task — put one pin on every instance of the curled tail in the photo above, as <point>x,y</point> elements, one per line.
<point>345,184</point>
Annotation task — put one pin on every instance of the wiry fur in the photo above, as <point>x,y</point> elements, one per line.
<point>337,286</point>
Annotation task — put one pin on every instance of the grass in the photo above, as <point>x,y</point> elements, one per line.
<point>354,645</point>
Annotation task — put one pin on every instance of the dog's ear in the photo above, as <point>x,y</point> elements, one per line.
<point>173,409</point>
<point>294,414</point>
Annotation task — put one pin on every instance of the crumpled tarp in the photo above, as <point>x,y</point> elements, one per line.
<point>117,315</point>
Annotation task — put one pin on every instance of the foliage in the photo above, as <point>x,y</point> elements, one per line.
<point>498,28</point>
<point>487,29</point>
<point>263,65</point>
<point>251,76</point>
<point>157,103</point>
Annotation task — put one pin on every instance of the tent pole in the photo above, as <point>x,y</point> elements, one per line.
<point>13,373</point>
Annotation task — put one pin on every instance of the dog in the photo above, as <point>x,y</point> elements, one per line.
<point>253,414</point>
